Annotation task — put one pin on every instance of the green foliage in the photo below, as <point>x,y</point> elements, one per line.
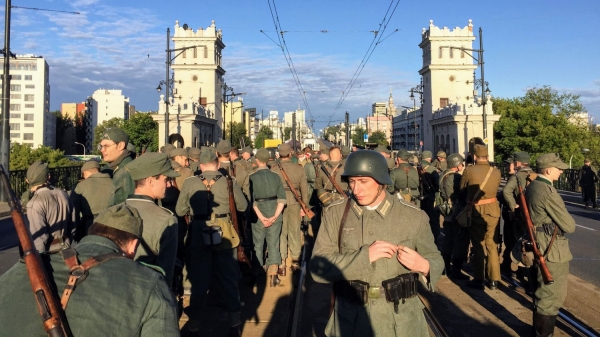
<point>334,131</point>
<point>264,133</point>
<point>538,123</point>
<point>115,122</point>
<point>142,131</point>
<point>63,123</point>
<point>358,136</point>
<point>379,138</point>
<point>22,156</point>
<point>287,132</point>
<point>239,132</point>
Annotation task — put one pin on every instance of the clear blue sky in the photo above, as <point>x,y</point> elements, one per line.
<point>527,43</point>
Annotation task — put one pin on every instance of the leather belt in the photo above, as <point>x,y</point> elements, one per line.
<point>208,217</point>
<point>549,229</point>
<point>485,201</point>
<point>266,199</point>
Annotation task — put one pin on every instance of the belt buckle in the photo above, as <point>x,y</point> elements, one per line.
<point>374,292</point>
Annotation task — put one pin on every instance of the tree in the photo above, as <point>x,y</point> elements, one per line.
<point>115,122</point>
<point>63,123</point>
<point>287,132</point>
<point>264,133</point>
<point>22,156</point>
<point>332,131</point>
<point>142,131</point>
<point>538,123</point>
<point>239,132</point>
<point>358,137</point>
<point>81,130</point>
<point>379,138</point>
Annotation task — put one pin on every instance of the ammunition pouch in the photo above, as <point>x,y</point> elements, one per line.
<point>400,288</point>
<point>549,229</point>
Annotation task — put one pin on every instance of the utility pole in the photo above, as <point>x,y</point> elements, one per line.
<point>347,125</point>
<point>294,131</point>
<point>5,144</point>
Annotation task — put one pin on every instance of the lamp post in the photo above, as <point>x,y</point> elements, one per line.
<point>5,144</point>
<point>83,147</point>
<point>584,150</point>
<point>169,82</point>
<point>418,89</point>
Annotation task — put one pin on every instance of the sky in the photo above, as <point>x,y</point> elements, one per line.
<point>121,45</point>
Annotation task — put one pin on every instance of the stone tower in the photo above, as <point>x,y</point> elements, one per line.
<point>452,116</point>
<point>195,115</point>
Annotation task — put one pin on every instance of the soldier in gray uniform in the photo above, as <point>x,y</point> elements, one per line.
<point>90,196</point>
<point>440,162</point>
<point>49,212</point>
<point>181,164</point>
<point>551,220</point>
<point>211,240</point>
<point>387,154</point>
<point>230,168</point>
<point>368,244</point>
<point>292,213</point>
<point>268,199</point>
<point>194,156</point>
<point>158,245</point>
<point>246,156</point>
<point>405,179</point>
<point>456,238</point>
<point>113,147</point>
<point>345,152</point>
<point>326,191</point>
<point>119,297</point>
<point>430,183</point>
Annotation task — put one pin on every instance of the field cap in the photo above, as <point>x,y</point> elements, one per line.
<point>441,154</point>
<point>224,146</point>
<point>90,164</point>
<point>263,155</point>
<point>285,150</point>
<point>426,155</point>
<point>481,150</point>
<point>178,152</point>
<point>194,153</point>
<point>403,154</point>
<point>207,157</point>
<point>382,148</point>
<point>117,135</point>
<point>346,150</point>
<point>551,160</point>
<point>37,173</point>
<point>247,149</point>
<point>150,164</point>
<point>122,217</point>
<point>168,148</point>
<point>522,156</point>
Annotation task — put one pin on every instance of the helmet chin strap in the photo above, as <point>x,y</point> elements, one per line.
<point>379,190</point>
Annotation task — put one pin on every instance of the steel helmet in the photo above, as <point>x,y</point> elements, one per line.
<point>454,160</point>
<point>367,163</point>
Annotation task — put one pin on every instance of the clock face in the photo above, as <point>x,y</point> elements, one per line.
<point>195,78</point>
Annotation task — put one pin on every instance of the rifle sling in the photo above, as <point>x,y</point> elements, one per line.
<point>79,272</point>
<point>289,183</point>
<point>551,240</point>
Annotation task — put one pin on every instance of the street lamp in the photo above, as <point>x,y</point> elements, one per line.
<point>418,89</point>
<point>583,150</point>
<point>83,147</point>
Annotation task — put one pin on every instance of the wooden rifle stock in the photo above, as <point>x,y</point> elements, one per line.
<point>310,214</point>
<point>333,182</point>
<point>233,211</point>
<point>531,233</point>
<point>51,312</point>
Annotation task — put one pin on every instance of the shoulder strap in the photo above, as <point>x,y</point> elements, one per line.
<point>78,272</point>
<point>344,217</point>
<point>483,184</point>
<point>209,184</point>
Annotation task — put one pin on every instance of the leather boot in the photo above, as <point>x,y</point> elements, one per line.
<point>543,325</point>
<point>282,270</point>
<point>456,272</point>
<point>272,275</point>
<point>447,265</point>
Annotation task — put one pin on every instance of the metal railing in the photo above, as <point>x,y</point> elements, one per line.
<point>62,177</point>
<point>568,181</point>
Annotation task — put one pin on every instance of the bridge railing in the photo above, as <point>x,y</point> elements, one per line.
<point>63,177</point>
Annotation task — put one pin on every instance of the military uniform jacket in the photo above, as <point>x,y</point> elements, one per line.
<point>195,167</point>
<point>450,190</point>
<point>430,179</point>
<point>390,163</point>
<point>440,165</point>
<point>546,206</point>
<point>159,239</point>
<point>510,192</point>
<point>239,172</point>
<point>123,185</point>
<point>184,173</point>
<point>403,177</point>
<point>196,201</point>
<point>587,175</point>
<point>265,184</point>
<point>323,184</point>
<point>50,217</point>
<point>394,221</point>
<point>298,178</point>
<point>91,195</point>
<point>119,297</point>
<point>472,178</point>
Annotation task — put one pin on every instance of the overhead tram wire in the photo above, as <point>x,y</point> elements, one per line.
<point>378,36</point>
<point>283,45</point>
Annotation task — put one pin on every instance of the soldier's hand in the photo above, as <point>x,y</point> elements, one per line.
<point>381,249</point>
<point>302,214</point>
<point>266,222</point>
<point>412,260</point>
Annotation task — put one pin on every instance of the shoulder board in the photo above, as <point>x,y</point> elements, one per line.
<point>335,203</point>
<point>153,267</point>
<point>191,177</point>
<point>406,203</point>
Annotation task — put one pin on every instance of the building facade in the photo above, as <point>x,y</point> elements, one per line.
<point>30,120</point>
<point>452,114</point>
<point>195,103</point>
<point>109,104</point>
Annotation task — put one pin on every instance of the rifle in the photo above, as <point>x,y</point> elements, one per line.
<point>530,233</point>
<point>53,316</point>
<point>310,214</point>
<point>240,250</point>
<point>316,167</point>
<point>333,182</point>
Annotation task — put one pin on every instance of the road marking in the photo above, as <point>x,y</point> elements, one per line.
<point>586,228</point>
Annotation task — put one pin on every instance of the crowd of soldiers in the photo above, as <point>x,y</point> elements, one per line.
<point>189,216</point>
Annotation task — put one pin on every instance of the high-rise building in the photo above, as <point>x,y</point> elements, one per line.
<point>30,120</point>
<point>109,104</point>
